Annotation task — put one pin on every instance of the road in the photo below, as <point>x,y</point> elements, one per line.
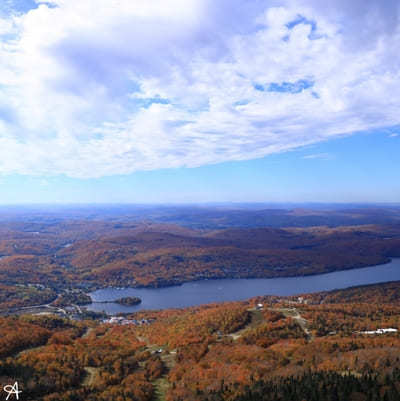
<point>49,306</point>
<point>295,315</point>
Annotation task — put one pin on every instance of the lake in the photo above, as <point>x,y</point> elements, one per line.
<point>207,291</point>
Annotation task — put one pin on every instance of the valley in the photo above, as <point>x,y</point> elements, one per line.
<point>45,256</point>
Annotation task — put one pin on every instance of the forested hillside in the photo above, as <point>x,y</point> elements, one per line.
<point>309,348</point>
<point>100,253</point>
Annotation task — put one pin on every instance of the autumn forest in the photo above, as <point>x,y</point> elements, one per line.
<point>327,346</point>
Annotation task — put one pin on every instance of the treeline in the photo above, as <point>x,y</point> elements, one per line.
<point>315,386</point>
<point>384,293</point>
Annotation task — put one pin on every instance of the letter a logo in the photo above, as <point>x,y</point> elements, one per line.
<point>12,390</point>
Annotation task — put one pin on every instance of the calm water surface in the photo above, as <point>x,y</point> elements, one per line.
<point>202,292</point>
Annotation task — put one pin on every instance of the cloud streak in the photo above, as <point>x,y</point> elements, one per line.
<point>89,89</point>
<point>321,156</point>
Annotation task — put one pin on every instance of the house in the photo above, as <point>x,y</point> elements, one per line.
<point>380,331</point>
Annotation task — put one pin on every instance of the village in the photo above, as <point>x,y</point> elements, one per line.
<point>123,321</point>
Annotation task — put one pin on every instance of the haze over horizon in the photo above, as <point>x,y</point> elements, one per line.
<point>193,101</point>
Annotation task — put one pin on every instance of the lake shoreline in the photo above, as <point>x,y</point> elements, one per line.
<point>170,284</point>
<point>223,290</point>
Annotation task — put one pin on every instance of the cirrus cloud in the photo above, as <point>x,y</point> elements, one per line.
<point>94,88</point>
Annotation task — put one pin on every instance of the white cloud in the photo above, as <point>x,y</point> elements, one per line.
<point>321,156</point>
<point>93,88</point>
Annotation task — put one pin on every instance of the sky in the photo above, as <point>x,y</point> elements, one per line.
<point>132,101</point>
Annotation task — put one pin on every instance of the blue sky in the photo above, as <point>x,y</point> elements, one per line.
<point>199,101</point>
<point>358,168</point>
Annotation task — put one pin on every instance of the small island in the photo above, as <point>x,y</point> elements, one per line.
<point>128,301</point>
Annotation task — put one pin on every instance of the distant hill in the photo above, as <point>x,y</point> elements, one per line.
<point>127,253</point>
<point>209,216</point>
